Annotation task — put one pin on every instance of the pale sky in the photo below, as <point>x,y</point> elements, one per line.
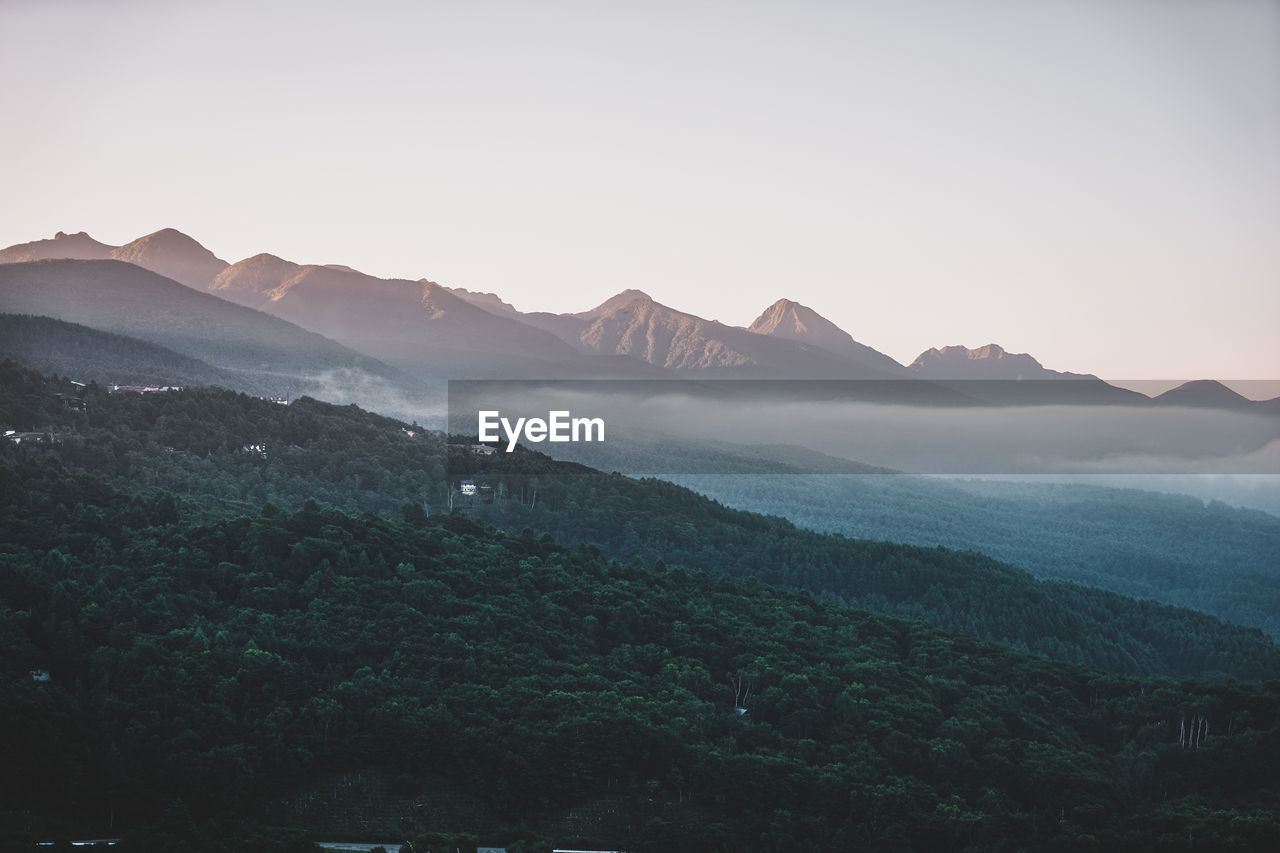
<point>1096,182</point>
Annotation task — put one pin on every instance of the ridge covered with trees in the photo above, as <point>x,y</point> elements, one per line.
<point>1175,549</point>
<point>227,452</point>
<point>204,667</point>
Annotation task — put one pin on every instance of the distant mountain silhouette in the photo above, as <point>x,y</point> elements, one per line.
<point>1204,393</point>
<point>989,362</point>
<point>793,321</point>
<point>993,374</point>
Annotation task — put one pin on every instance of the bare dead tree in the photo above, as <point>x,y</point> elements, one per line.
<point>1192,733</point>
<point>740,695</point>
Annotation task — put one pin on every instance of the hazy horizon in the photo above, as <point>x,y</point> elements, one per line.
<point>1097,184</point>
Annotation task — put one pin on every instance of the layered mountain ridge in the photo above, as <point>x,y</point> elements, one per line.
<point>633,324</point>
<point>168,252</point>
<point>418,325</point>
<point>120,298</point>
<point>452,331</point>
<point>440,331</point>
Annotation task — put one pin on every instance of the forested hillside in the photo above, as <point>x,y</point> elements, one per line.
<point>228,452</point>
<point>956,590</point>
<point>1170,548</point>
<point>203,669</point>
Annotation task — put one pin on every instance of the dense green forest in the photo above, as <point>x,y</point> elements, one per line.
<point>1170,548</point>
<point>959,591</point>
<point>260,620</point>
<point>206,668</point>
<point>230,452</point>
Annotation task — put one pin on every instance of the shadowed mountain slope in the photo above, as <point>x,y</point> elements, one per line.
<point>88,355</point>
<point>118,297</point>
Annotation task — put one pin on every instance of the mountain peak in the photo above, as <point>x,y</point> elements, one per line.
<point>617,301</point>
<point>166,239</point>
<point>792,321</point>
<point>173,254</point>
<point>789,319</point>
<point>1203,392</point>
<point>785,303</point>
<point>633,293</point>
<point>958,353</point>
<point>257,274</point>
<point>168,234</point>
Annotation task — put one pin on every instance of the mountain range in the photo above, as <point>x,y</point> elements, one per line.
<point>434,332</point>
<point>417,325</point>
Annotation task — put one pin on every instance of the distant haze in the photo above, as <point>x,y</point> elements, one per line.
<point>965,440</point>
<point>1093,182</point>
